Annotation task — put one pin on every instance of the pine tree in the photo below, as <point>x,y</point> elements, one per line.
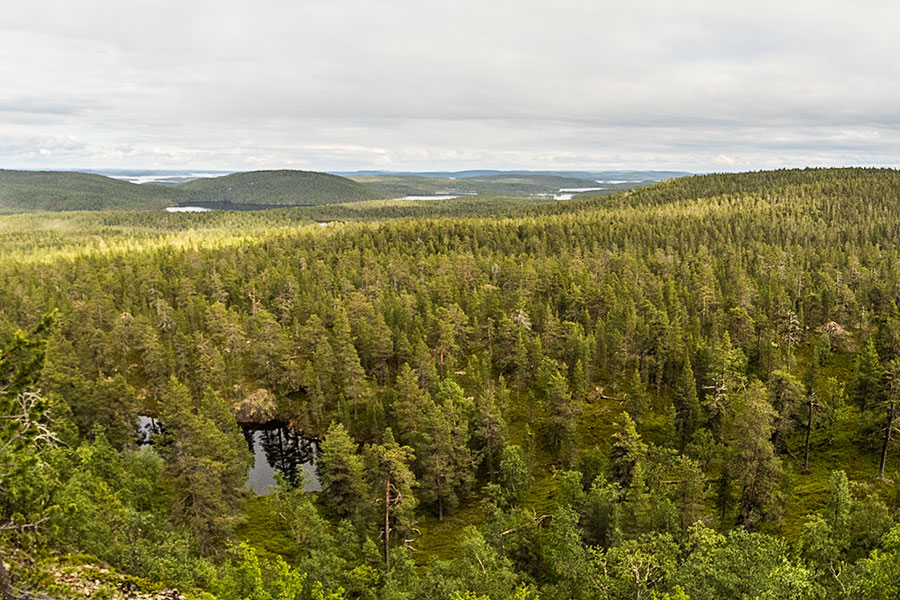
<point>687,407</point>
<point>889,405</point>
<point>208,458</point>
<point>444,464</point>
<point>752,461</point>
<point>867,386</point>
<point>489,432</point>
<point>691,493</point>
<point>341,472</point>
<point>391,482</point>
<point>628,451</point>
<point>352,386</point>
<point>788,395</point>
<point>410,406</point>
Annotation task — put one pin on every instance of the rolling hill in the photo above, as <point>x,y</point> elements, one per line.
<point>273,188</point>
<point>30,191</point>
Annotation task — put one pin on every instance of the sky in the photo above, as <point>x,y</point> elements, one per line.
<point>342,85</point>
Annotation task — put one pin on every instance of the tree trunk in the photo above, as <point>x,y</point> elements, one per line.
<point>6,591</point>
<point>387,523</point>
<point>887,439</point>
<point>809,421</point>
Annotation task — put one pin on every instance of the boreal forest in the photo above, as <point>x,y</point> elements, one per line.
<point>688,390</point>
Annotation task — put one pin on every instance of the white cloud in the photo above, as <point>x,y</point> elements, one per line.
<point>343,84</point>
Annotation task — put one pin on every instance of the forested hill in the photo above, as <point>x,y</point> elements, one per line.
<point>274,188</point>
<point>29,191</point>
<point>685,392</point>
<point>869,185</point>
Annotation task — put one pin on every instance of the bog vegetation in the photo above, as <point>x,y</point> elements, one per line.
<point>683,391</point>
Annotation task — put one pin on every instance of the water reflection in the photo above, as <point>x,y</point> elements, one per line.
<point>274,448</point>
<point>279,448</point>
<point>147,428</point>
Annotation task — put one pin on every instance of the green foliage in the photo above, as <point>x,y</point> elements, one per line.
<point>247,577</point>
<point>340,471</point>
<point>208,459</point>
<point>628,334</point>
<point>756,469</point>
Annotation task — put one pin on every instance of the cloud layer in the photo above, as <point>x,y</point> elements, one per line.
<point>411,84</point>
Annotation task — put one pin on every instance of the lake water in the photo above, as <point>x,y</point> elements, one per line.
<point>163,177</point>
<point>187,209</point>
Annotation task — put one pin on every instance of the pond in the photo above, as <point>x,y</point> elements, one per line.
<point>147,428</point>
<point>278,448</point>
<point>275,447</point>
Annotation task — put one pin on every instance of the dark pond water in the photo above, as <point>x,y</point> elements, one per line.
<point>147,428</point>
<point>274,447</point>
<point>280,449</point>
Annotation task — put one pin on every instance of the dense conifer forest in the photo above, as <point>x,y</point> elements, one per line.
<point>689,390</point>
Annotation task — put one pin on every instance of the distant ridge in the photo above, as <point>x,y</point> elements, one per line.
<point>28,191</point>
<point>592,175</point>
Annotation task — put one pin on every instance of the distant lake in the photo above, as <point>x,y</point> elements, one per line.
<point>569,193</point>
<point>167,177</point>
<point>187,209</point>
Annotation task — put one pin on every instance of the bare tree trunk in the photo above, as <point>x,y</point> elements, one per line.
<point>809,421</point>
<point>887,439</point>
<point>6,591</point>
<point>387,523</point>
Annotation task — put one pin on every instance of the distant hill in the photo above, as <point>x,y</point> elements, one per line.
<point>485,183</point>
<point>28,191</point>
<point>273,188</point>
<point>529,183</point>
<point>631,176</point>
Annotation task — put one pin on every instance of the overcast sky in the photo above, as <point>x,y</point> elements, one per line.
<point>695,85</point>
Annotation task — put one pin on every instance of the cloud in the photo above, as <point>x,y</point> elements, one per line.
<point>346,84</point>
